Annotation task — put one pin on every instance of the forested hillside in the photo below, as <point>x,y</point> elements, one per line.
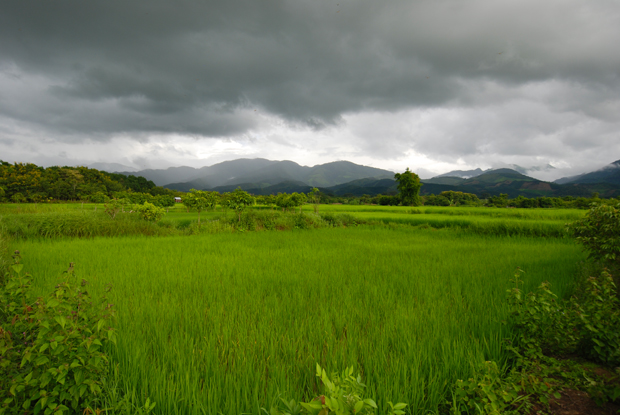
<point>26,182</point>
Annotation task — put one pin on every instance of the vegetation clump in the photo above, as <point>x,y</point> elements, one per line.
<point>599,232</point>
<point>548,332</point>
<point>51,349</point>
<point>199,200</point>
<point>343,395</point>
<point>409,185</point>
<point>27,182</point>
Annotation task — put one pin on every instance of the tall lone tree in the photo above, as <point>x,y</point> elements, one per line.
<point>409,188</point>
<point>239,200</point>
<point>200,200</point>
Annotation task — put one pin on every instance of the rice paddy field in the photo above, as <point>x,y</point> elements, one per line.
<point>228,322</point>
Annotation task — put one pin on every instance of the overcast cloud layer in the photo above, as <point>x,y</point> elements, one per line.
<point>431,85</point>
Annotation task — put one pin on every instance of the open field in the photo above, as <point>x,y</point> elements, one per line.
<point>223,322</point>
<point>88,220</point>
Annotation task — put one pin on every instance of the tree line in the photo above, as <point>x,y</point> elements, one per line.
<point>26,182</point>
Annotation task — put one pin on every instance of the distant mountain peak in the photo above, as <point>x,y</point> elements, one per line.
<point>606,174</point>
<point>111,167</point>
<point>464,174</point>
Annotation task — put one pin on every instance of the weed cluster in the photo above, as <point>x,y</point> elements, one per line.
<point>269,220</point>
<point>586,325</point>
<point>146,221</point>
<point>51,349</point>
<point>343,395</point>
<point>76,224</point>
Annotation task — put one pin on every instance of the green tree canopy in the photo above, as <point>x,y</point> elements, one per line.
<point>239,200</point>
<point>200,200</point>
<point>298,200</point>
<point>599,232</point>
<point>409,188</point>
<point>315,197</point>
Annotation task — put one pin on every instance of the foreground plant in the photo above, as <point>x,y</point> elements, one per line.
<point>599,232</point>
<point>587,325</point>
<point>51,349</point>
<point>343,395</point>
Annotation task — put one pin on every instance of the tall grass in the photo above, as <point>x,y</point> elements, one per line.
<point>222,323</point>
<point>484,225</point>
<point>79,224</point>
<point>65,222</point>
<point>542,214</point>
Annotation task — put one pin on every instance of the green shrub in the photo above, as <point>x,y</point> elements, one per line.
<point>98,198</point>
<point>150,212</point>
<point>51,349</point>
<point>587,325</point>
<point>77,224</point>
<point>487,393</point>
<point>599,232</point>
<point>332,219</point>
<point>598,320</point>
<point>114,206</point>
<point>343,394</point>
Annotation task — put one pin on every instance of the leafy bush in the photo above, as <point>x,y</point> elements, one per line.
<point>343,395</point>
<point>77,224</point>
<point>599,232</point>
<point>588,325</point>
<point>51,349</point>
<point>487,392</point>
<point>114,206</point>
<point>150,212</point>
<point>238,200</point>
<point>98,197</point>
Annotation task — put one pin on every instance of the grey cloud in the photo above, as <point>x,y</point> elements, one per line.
<point>456,81</point>
<point>308,62</point>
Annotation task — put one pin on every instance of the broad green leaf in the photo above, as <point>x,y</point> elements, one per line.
<point>41,360</point>
<point>100,325</point>
<point>370,402</point>
<point>61,320</point>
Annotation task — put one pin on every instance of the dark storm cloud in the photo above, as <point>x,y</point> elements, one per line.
<point>499,73</point>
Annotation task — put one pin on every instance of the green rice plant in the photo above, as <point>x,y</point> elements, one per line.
<point>534,214</point>
<point>480,225</point>
<point>229,322</point>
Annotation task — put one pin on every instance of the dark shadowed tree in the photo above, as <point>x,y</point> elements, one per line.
<point>409,188</point>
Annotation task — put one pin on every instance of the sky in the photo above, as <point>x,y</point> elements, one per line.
<point>433,85</point>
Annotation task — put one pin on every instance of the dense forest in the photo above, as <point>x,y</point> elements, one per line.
<point>26,182</point>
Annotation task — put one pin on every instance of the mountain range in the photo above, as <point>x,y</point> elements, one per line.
<point>608,174</point>
<point>259,173</point>
<point>262,176</point>
<point>468,174</point>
